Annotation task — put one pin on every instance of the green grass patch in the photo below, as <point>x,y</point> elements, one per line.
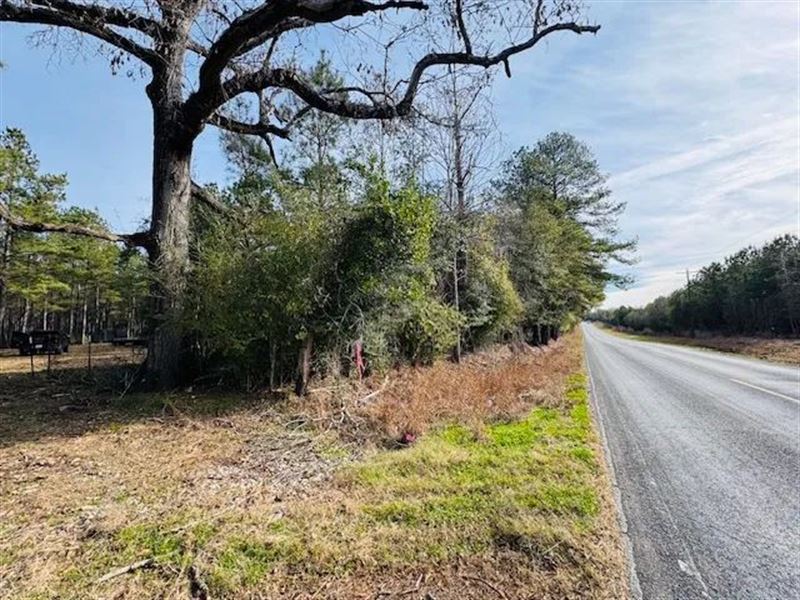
<point>150,541</point>
<point>245,561</point>
<point>540,465</point>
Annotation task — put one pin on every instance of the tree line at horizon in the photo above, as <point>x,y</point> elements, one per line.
<point>754,291</point>
<point>349,247</point>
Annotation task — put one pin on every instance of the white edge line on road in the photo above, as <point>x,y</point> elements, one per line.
<point>765,390</point>
<point>636,589</point>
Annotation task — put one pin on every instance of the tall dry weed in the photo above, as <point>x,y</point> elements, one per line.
<point>500,383</point>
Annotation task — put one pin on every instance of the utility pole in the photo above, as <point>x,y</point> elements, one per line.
<point>688,293</point>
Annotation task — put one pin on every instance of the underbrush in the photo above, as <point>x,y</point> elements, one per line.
<point>502,495</point>
<point>493,385</point>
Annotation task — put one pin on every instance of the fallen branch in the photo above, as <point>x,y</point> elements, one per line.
<point>417,585</point>
<point>142,564</point>
<point>415,588</point>
<point>380,390</point>
<point>491,586</point>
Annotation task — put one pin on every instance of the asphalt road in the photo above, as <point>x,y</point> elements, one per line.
<point>705,449</point>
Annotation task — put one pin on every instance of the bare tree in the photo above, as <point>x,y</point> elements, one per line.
<point>459,121</point>
<point>200,55</point>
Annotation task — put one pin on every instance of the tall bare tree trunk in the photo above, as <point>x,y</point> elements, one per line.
<point>304,366</point>
<point>273,360</point>
<point>5,256</point>
<point>459,260</point>
<point>169,248</point>
<point>84,318</point>
<point>456,305</point>
<point>26,315</point>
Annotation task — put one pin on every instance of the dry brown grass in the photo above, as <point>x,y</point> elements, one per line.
<point>786,351</point>
<point>488,386</point>
<point>272,500</point>
<point>497,384</point>
<point>772,349</point>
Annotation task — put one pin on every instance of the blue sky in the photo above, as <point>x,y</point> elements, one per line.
<point>691,107</point>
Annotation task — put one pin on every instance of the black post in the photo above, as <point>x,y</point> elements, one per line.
<point>32,371</point>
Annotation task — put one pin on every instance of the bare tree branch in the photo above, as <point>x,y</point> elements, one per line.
<point>462,26</point>
<point>140,238</point>
<point>271,148</point>
<point>273,33</point>
<point>260,129</point>
<point>201,194</point>
<point>463,58</point>
<point>334,102</point>
<point>255,27</point>
<point>89,19</point>
<point>105,15</point>
<point>197,48</point>
<point>537,18</point>
<point>371,94</point>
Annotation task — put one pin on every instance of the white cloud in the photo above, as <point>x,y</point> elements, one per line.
<point>761,154</point>
<point>657,284</point>
<point>715,87</point>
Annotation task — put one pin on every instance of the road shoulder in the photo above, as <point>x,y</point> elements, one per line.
<point>608,462</point>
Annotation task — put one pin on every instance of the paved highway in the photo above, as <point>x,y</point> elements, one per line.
<point>705,449</point>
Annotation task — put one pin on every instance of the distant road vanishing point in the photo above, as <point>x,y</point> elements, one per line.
<point>705,449</point>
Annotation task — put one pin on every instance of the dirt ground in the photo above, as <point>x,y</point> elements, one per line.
<point>223,495</point>
<point>78,358</point>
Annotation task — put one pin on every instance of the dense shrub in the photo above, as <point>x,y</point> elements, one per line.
<point>315,263</point>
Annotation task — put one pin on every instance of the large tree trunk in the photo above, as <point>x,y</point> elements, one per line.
<point>169,227</point>
<point>169,257</point>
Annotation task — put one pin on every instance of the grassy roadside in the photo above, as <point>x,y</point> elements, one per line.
<point>775,350</point>
<point>260,504</point>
